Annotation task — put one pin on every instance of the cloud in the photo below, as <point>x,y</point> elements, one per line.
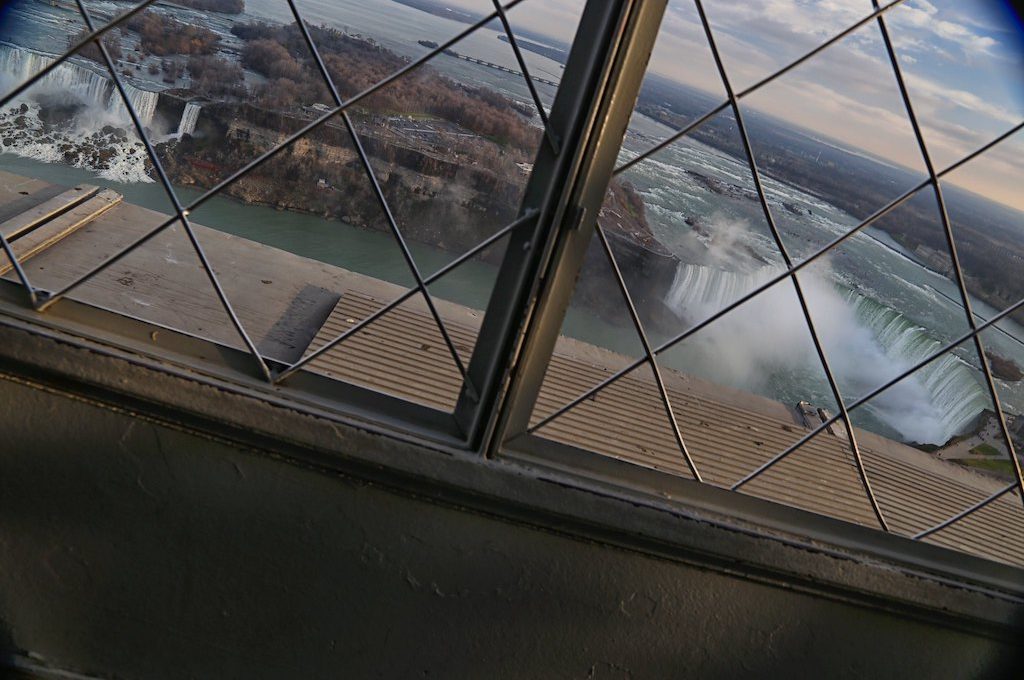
<point>950,57</point>
<point>926,17</point>
<point>849,91</point>
<point>940,96</point>
<point>987,174</point>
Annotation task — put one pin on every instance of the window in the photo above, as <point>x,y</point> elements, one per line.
<point>790,269</point>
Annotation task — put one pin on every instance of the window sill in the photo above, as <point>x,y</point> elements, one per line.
<point>202,388</point>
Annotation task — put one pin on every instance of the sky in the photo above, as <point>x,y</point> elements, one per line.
<point>963,61</point>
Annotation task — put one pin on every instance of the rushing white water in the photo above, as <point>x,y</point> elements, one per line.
<point>143,101</point>
<point>71,79</point>
<point>952,382</point>
<point>106,150</point>
<point>99,135</point>
<point>189,117</point>
<point>697,286</point>
<point>867,344</point>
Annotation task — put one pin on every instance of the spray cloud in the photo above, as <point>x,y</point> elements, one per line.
<point>768,337</point>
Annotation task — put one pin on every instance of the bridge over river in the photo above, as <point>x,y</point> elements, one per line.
<point>497,67</point>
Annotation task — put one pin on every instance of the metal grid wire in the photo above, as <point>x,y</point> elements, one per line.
<point>42,299</point>
<point>792,268</point>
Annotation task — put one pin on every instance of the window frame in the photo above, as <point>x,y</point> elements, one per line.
<point>523,318</point>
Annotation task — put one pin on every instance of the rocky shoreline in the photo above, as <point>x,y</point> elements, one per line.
<point>42,133</point>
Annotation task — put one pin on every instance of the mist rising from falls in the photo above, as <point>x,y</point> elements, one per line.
<point>866,342</point>
<point>89,126</point>
<point>950,381</point>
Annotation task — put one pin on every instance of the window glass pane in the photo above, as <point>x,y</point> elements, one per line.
<point>821,173</point>
<point>308,230</point>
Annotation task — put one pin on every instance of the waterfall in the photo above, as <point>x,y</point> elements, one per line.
<point>698,287</point>
<point>189,116</point>
<point>91,87</point>
<point>868,343</point>
<point>143,101</point>
<point>100,138</point>
<point>951,382</point>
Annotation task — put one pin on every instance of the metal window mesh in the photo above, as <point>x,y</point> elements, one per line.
<point>648,361</point>
<point>340,107</point>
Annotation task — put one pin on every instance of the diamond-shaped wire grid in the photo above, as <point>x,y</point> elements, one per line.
<point>957,270</point>
<point>364,160</point>
<point>341,108</point>
<point>181,212</point>
<point>793,268</point>
<point>422,281</point>
<point>649,355</point>
<point>42,300</point>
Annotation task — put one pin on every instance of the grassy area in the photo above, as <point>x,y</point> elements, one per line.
<point>986,450</point>
<point>1001,466</point>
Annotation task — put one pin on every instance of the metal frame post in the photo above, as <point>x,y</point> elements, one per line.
<point>536,279</point>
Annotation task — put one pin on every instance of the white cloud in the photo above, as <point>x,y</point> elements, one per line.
<point>925,17</point>
<point>939,97</point>
<point>848,92</point>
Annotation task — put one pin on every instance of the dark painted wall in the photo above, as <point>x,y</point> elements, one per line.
<point>134,550</point>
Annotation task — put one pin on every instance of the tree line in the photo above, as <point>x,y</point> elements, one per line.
<point>280,54</point>
<point>162,35</point>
